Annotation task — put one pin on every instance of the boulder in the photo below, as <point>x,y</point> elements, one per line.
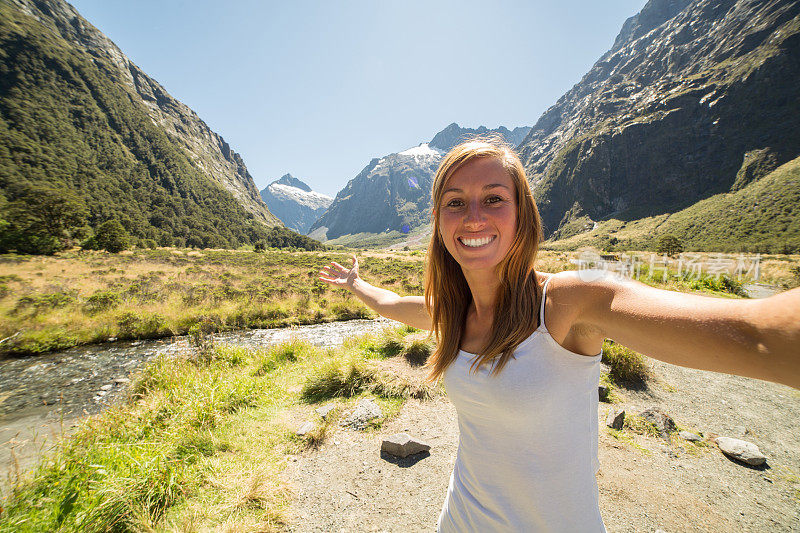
<point>602,392</point>
<point>615,419</point>
<point>365,411</point>
<point>741,450</point>
<point>663,422</point>
<point>403,445</point>
<point>325,410</point>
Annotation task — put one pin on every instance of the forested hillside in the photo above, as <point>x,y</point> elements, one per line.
<point>72,135</point>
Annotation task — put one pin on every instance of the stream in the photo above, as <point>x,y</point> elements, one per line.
<point>42,396</point>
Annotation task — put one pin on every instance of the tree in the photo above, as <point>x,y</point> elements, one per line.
<point>42,220</point>
<point>110,236</point>
<point>669,244</point>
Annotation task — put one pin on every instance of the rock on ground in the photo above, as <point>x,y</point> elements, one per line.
<point>365,411</point>
<point>741,450</point>
<point>403,445</point>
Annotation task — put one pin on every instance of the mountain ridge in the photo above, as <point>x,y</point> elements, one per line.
<point>393,192</point>
<point>69,121</point>
<point>209,151</point>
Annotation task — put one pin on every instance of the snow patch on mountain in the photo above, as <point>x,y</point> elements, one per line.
<point>311,199</point>
<point>423,150</point>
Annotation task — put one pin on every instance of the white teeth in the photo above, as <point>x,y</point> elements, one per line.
<point>474,243</point>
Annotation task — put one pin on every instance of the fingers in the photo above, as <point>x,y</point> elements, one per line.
<point>340,267</point>
<point>355,261</point>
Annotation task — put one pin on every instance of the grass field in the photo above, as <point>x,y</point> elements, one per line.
<point>202,439</point>
<point>51,303</point>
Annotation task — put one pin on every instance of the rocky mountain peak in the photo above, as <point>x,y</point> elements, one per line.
<point>653,14</point>
<point>288,179</point>
<point>455,134</point>
<point>394,192</point>
<point>668,115</point>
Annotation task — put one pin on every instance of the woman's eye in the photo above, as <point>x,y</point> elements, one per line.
<point>494,199</point>
<point>454,203</point>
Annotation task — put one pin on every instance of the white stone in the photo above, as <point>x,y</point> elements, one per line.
<point>403,445</point>
<point>305,428</point>
<point>741,450</point>
<point>688,435</point>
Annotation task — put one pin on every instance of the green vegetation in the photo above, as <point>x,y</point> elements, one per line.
<point>67,125</point>
<point>201,441</point>
<point>669,245</point>
<point>50,303</point>
<point>626,366</point>
<point>41,220</point>
<point>110,236</point>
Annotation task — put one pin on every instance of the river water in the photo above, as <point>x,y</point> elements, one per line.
<point>42,396</point>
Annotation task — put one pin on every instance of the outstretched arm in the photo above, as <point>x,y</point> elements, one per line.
<point>752,338</point>
<point>407,309</point>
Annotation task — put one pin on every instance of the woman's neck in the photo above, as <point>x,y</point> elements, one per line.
<point>485,287</point>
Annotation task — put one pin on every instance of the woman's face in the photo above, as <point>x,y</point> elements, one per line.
<point>478,214</point>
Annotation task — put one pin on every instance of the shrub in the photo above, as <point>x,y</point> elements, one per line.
<point>626,366</point>
<point>43,302</point>
<point>102,300</point>
<point>337,381</point>
<point>419,351</point>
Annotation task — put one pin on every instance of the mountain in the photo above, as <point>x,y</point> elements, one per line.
<point>77,115</point>
<point>294,203</point>
<point>454,134</point>
<point>694,99</point>
<point>394,192</point>
<point>760,217</point>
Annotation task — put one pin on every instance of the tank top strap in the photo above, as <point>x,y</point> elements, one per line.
<point>541,309</point>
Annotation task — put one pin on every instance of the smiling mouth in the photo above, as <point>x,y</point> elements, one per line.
<point>476,243</point>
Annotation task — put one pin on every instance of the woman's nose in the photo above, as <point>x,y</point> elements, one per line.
<point>474,213</point>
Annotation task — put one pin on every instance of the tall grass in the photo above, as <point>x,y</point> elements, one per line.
<point>199,442</point>
<point>76,298</point>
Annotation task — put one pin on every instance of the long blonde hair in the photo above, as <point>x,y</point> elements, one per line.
<point>447,295</point>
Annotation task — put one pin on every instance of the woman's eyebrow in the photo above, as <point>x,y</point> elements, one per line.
<point>490,186</point>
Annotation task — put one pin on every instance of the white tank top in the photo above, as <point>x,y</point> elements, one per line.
<point>527,450</point>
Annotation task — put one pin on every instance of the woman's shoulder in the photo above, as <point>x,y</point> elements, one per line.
<point>575,287</point>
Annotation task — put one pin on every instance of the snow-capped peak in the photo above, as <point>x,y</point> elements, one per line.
<point>423,150</point>
<point>311,199</point>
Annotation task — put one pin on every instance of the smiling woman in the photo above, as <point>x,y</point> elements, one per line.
<point>519,351</point>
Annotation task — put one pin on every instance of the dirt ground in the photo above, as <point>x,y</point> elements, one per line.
<point>645,483</point>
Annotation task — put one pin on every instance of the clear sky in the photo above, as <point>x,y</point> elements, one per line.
<point>320,88</point>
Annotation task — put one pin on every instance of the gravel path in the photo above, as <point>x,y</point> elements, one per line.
<point>346,485</point>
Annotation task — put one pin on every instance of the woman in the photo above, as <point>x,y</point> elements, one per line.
<point>519,350</point>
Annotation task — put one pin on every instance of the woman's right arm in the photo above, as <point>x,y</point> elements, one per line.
<point>406,309</point>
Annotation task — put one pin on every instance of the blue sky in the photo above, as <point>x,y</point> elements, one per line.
<point>320,88</point>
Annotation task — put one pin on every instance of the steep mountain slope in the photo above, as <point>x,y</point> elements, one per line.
<point>76,114</point>
<point>394,192</point>
<point>760,217</point>
<point>292,201</point>
<point>693,99</point>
